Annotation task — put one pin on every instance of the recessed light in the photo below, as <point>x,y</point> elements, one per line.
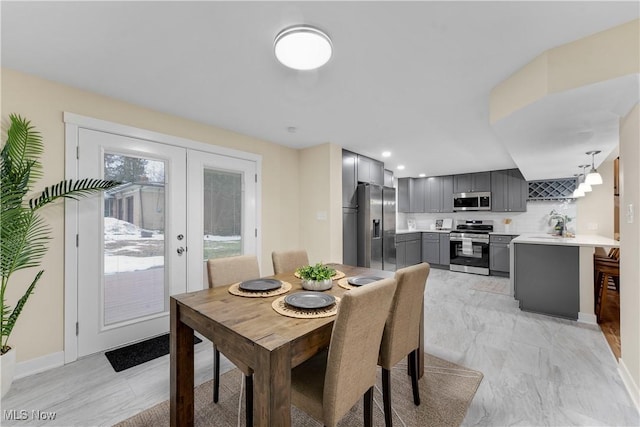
<point>422,175</point>
<point>400,167</point>
<point>386,153</point>
<point>302,47</point>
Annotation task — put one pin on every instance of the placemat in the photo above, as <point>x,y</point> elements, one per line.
<point>235,290</point>
<point>339,275</point>
<point>282,308</point>
<point>344,283</point>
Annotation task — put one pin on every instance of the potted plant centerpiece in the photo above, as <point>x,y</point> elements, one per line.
<point>561,222</point>
<point>23,233</point>
<point>316,277</point>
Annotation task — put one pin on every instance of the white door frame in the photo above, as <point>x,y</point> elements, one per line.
<point>74,122</point>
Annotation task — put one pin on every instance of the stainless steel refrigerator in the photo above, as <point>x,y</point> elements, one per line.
<point>376,227</point>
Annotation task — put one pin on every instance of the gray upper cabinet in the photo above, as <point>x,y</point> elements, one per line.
<point>404,196</point>
<point>370,170</point>
<point>417,193</point>
<point>469,182</point>
<point>438,194</point>
<point>388,178</point>
<point>349,179</point>
<point>509,191</point>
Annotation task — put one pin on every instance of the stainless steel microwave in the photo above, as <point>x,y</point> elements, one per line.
<point>480,201</point>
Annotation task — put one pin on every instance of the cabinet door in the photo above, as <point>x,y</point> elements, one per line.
<point>499,257</point>
<point>447,195</point>
<point>350,236</point>
<point>364,169</point>
<point>445,249</point>
<point>376,172</point>
<point>416,194</point>
<point>431,251</point>
<point>433,194</point>
<point>462,183</point>
<point>481,181</point>
<point>499,191</point>
<point>518,191</point>
<point>388,178</point>
<point>404,195</point>
<point>401,254</point>
<point>349,179</point>
<point>413,255</point>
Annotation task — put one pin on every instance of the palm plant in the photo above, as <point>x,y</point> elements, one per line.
<point>23,233</point>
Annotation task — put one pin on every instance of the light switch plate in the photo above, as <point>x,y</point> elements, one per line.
<point>630,213</point>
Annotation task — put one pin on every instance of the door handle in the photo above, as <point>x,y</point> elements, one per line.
<point>180,250</point>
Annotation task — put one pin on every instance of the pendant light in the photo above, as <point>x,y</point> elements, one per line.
<point>578,192</point>
<point>586,188</point>
<point>593,178</point>
<point>303,47</point>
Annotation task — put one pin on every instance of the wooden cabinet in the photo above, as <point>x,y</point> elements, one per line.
<point>438,194</point>
<point>509,191</point>
<point>472,182</point>
<point>349,179</point>
<point>370,171</point>
<point>431,248</point>
<point>499,253</point>
<point>408,249</point>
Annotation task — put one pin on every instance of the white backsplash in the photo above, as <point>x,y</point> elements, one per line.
<point>534,220</point>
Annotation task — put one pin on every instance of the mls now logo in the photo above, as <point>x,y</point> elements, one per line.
<point>14,414</point>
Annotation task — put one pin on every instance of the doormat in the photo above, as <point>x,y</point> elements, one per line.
<point>141,352</point>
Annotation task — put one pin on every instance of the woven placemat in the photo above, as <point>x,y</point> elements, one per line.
<point>339,275</point>
<point>235,290</point>
<point>299,313</point>
<point>344,283</point>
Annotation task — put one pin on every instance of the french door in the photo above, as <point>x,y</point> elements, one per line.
<point>149,238</point>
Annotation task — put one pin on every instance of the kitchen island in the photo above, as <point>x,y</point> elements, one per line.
<point>554,275</point>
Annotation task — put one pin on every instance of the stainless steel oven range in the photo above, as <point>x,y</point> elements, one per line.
<point>469,247</point>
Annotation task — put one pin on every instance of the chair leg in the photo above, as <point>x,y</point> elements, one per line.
<point>248,400</point>
<point>368,408</point>
<point>413,362</point>
<point>216,374</point>
<point>386,396</point>
<point>603,296</point>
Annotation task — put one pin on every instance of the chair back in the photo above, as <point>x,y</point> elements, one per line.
<point>229,270</point>
<point>402,330</point>
<point>288,261</point>
<point>614,253</point>
<point>355,342</point>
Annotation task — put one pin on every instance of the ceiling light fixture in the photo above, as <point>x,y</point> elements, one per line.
<point>593,178</point>
<point>578,192</point>
<point>400,167</point>
<point>386,153</point>
<point>303,47</point>
<point>584,186</point>
<point>422,175</point>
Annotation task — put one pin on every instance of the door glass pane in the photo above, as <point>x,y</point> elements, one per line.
<point>134,249</point>
<point>222,213</point>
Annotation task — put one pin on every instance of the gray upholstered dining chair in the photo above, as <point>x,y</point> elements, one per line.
<point>224,272</point>
<point>401,335</point>
<point>330,383</point>
<point>288,261</point>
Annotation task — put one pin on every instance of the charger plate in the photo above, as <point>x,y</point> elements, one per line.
<point>284,309</point>
<point>235,290</point>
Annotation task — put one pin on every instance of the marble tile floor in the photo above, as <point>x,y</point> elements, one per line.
<point>538,370</point>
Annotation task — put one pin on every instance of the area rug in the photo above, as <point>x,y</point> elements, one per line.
<point>140,352</point>
<point>446,390</point>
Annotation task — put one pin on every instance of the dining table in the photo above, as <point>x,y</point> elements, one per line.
<point>251,332</point>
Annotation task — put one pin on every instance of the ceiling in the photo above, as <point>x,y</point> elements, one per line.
<point>410,77</point>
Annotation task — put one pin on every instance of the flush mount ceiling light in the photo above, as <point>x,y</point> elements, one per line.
<point>594,177</point>
<point>400,167</point>
<point>584,186</point>
<point>303,47</point>
<point>386,154</point>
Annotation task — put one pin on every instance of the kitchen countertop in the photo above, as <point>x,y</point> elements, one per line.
<point>420,230</point>
<point>579,240</point>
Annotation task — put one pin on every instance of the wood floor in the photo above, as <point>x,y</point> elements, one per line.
<point>610,323</point>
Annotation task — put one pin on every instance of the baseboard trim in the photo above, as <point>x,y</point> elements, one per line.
<point>587,318</point>
<point>629,383</point>
<point>39,364</point>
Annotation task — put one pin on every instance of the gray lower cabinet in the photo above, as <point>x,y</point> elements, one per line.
<point>499,254</point>
<point>431,248</point>
<point>547,279</point>
<point>445,249</point>
<point>408,249</point>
